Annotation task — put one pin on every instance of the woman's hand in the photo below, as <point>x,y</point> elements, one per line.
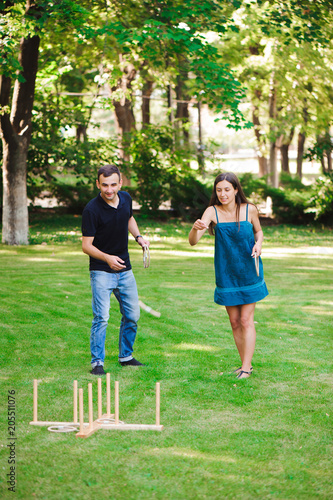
<point>199,225</point>
<point>256,250</point>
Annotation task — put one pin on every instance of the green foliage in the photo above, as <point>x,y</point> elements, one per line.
<point>292,182</point>
<point>322,201</point>
<point>154,164</point>
<point>290,200</point>
<point>253,186</point>
<point>67,169</point>
<point>289,205</point>
<point>305,21</point>
<point>322,147</point>
<point>165,34</point>
<point>189,195</point>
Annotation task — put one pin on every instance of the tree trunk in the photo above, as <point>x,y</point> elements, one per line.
<point>328,151</point>
<point>273,171</point>
<point>170,104</point>
<point>329,161</point>
<point>261,146</point>
<point>323,166</point>
<point>273,164</point>
<point>16,133</point>
<point>200,148</point>
<point>125,119</point>
<point>182,113</point>
<point>147,91</point>
<point>284,149</point>
<point>301,141</point>
<point>15,222</point>
<point>300,153</point>
<point>81,133</point>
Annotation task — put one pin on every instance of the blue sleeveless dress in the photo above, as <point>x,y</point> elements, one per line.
<point>237,282</point>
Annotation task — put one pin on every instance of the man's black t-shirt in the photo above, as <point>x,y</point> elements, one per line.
<point>109,227</point>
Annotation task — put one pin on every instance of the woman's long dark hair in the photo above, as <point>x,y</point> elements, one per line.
<point>240,196</point>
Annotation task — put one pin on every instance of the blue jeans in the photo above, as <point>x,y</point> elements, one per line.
<point>123,285</point>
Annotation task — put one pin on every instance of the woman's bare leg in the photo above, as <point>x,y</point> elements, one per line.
<point>242,324</point>
<point>234,313</point>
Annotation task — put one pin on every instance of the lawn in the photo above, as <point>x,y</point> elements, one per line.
<point>266,437</point>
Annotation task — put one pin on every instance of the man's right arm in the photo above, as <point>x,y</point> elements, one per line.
<point>115,263</point>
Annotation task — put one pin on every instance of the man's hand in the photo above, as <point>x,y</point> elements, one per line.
<point>116,263</point>
<point>142,242</point>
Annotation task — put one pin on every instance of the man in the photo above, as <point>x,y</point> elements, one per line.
<point>106,221</point>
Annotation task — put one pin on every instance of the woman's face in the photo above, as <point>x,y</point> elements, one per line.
<point>225,192</point>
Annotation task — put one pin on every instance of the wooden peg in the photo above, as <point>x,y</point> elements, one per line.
<point>116,403</point>
<point>90,406</point>
<point>108,395</point>
<point>81,410</point>
<point>75,402</point>
<point>157,403</point>
<point>35,417</point>
<point>99,395</point>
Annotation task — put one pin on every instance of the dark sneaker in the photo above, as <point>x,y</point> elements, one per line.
<point>131,362</point>
<point>98,370</point>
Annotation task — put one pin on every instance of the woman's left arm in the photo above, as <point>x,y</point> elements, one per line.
<point>258,234</point>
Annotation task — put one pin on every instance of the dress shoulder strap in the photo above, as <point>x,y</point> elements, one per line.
<point>217,218</point>
<point>247,211</point>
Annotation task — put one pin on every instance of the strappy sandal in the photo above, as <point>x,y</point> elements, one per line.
<point>241,373</point>
<point>238,370</point>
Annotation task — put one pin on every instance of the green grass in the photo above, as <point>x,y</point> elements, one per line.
<point>266,437</point>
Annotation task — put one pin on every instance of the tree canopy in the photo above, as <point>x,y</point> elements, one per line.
<point>63,59</point>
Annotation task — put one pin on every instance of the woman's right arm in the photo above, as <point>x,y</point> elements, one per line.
<point>200,226</point>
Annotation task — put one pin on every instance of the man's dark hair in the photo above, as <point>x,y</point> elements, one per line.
<point>108,170</point>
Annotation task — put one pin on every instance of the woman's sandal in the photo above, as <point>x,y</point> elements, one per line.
<point>241,373</point>
<point>238,370</point>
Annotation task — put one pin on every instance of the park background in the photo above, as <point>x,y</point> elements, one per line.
<point>171,92</point>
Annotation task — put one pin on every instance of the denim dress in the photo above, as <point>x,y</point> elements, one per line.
<point>236,278</point>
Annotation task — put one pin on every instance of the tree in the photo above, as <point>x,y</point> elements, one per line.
<point>278,55</point>
<point>23,29</point>
<point>164,38</point>
<point>15,127</point>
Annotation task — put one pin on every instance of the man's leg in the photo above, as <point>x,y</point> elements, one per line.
<point>127,296</point>
<point>101,286</point>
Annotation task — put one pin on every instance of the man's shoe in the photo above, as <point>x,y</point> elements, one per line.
<point>98,370</point>
<point>131,362</point>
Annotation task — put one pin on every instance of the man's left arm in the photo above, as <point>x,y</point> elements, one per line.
<point>134,230</point>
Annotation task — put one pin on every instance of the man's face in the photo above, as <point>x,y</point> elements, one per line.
<point>109,187</point>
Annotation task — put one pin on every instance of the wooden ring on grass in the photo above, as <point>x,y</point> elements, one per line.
<point>107,421</point>
<point>62,428</point>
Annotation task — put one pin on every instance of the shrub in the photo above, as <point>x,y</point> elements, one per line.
<point>321,203</point>
<point>290,201</point>
<point>289,206</point>
<point>189,196</point>
<point>67,169</point>
<point>155,165</point>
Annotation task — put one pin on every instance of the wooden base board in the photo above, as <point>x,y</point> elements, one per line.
<point>47,424</point>
<point>96,425</point>
<point>88,431</point>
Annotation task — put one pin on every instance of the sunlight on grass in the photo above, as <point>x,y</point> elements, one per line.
<point>266,437</point>
<point>326,252</point>
<point>317,310</point>
<point>42,259</point>
<point>189,453</point>
<point>196,347</point>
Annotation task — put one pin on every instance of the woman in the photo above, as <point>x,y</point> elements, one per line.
<point>238,240</point>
